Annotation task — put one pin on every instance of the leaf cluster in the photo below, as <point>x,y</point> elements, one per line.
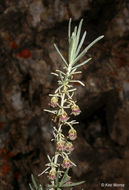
<point>75,45</point>
<point>59,185</point>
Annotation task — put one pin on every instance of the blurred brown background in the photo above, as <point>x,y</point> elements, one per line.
<point>28,29</point>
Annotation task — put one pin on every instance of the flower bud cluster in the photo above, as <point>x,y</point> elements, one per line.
<point>63,106</point>
<point>63,116</point>
<point>72,134</point>
<point>64,146</point>
<point>75,110</point>
<point>60,145</point>
<point>52,174</point>
<point>54,102</point>
<point>66,163</point>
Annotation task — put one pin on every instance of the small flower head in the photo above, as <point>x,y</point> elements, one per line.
<point>75,109</point>
<point>64,117</point>
<point>69,147</point>
<point>60,145</point>
<point>54,101</point>
<point>52,174</point>
<point>66,163</point>
<point>72,134</point>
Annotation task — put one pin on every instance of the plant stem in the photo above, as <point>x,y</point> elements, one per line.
<point>63,93</point>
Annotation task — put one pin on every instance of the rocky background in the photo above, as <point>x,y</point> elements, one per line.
<point>28,29</point>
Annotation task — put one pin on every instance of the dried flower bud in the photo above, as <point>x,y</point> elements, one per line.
<point>52,174</point>
<point>66,163</point>
<point>64,117</point>
<point>69,146</point>
<point>72,134</point>
<point>75,110</point>
<point>54,101</point>
<point>60,145</point>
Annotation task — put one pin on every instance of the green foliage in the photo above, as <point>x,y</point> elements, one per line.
<point>64,178</point>
<point>73,184</point>
<point>61,100</point>
<point>34,184</point>
<point>75,45</point>
<point>63,183</point>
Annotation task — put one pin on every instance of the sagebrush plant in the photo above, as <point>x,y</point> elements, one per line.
<point>63,106</point>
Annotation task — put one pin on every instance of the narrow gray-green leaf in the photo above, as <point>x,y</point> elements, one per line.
<point>62,181</point>
<point>60,55</point>
<point>51,186</point>
<point>81,64</point>
<point>81,43</point>
<point>78,33</point>
<point>70,47</point>
<point>34,182</point>
<point>40,187</point>
<point>73,48</point>
<point>87,48</point>
<point>31,186</point>
<point>78,81</point>
<point>69,29</point>
<point>73,184</point>
<point>95,41</point>
<point>71,42</point>
<point>66,179</point>
<point>57,179</point>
